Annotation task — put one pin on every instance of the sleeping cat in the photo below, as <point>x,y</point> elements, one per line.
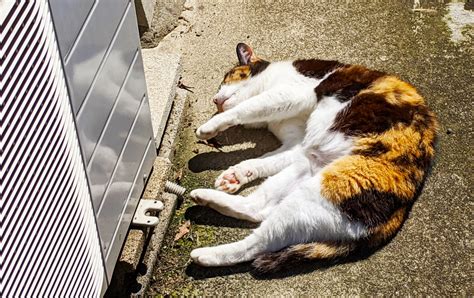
<point>356,147</point>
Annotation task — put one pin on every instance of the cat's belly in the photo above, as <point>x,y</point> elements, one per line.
<point>290,130</point>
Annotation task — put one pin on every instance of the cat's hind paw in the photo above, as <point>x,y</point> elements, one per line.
<point>232,179</point>
<point>200,196</point>
<point>213,256</point>
<point>204,256</point>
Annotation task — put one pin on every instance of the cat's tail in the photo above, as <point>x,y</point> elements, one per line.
<point>272,262</point>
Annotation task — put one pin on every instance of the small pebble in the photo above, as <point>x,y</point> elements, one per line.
<point>449,131</point>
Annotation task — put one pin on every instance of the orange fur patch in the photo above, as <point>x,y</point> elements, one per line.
<point>399,155</point>
<point>237,74</point>
<point>320,250</point>
<point>395,91</point>
<point>349,176</point>
<point>385,231</point>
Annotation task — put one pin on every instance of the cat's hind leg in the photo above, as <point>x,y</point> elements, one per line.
<point>303,216</point>
<point>232,179</point>
<point>258,204</point>
<point>231,205</point>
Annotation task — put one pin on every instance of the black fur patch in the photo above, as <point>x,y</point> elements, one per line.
<point>371,207</point>
<point>425,119</point>
<point>422,161</point>
<point>276,261</point>
<point>316,68</point>
<point>370,113</point>
<point>374,150</point>
<point>347,82</point>
<point>258,66</point>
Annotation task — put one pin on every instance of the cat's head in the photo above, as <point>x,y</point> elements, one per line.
<point>249,66</point>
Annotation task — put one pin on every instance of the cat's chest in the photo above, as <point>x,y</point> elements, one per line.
<point>321,142</point>
<point>323,117</point>
<point>290,130</point>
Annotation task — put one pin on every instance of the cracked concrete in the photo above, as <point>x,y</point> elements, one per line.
<point>432,255</point>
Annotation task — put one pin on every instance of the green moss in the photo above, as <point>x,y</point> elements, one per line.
<point>187,291</point>
<point>169,278</point>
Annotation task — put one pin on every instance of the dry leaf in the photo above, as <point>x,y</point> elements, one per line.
<point>182,230</point>
<point>178,175</point>
<point>182,86</point>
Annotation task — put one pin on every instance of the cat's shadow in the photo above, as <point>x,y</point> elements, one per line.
<point>219,160</point>
<point>297,268</point>
<point>206,216</point>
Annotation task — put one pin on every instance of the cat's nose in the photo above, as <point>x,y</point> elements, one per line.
<point>219,100</point>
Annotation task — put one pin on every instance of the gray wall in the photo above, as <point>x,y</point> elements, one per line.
<point>99,46</point>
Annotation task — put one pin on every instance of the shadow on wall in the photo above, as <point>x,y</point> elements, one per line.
<point>124,282</point>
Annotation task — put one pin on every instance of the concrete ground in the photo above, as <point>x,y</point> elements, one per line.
<point>164,20</point>
<point>433,252</point>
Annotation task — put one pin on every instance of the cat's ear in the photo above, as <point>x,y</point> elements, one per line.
<point>245,54</point>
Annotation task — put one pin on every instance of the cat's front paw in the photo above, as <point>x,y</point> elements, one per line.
<point>206,132</point>
<point>232,179</point>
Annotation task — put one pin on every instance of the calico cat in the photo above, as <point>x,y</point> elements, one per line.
<point>356,147</point>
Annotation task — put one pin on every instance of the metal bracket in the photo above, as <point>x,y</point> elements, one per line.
<point>141,218</point>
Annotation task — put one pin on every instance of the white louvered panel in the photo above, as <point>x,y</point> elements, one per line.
<point>50,244</point>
